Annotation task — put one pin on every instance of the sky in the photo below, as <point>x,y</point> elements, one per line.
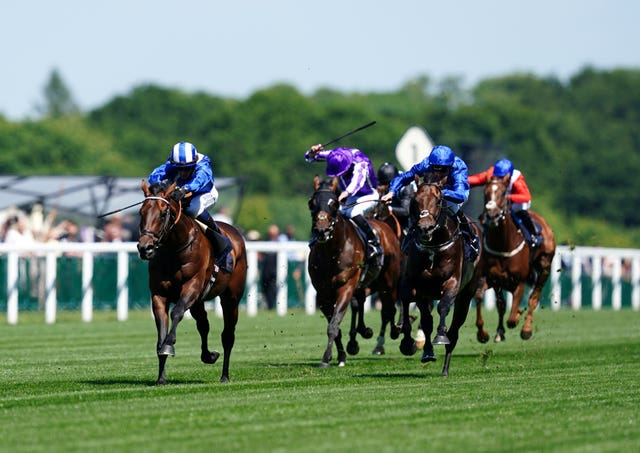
<point>234,48</point>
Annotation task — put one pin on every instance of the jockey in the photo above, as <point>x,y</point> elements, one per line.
<point>399,206</point>
<point>357,180</point>
<point>192,173</point>
<point>517,193</point>
<point>444,162</point>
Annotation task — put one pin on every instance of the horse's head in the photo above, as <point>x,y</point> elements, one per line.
<point>324,208</point>
<point>426,210</point>
<point>496,204</point>
<point>158,214</point>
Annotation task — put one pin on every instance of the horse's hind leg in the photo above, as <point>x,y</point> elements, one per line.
<point>534,299</point>
<point>202,324</point>
<point>356,312</point>
<point>501,305</point>
<point>228,335</point>
<point>481,335</point>
<point>516,312</point>
<point>426,324</point>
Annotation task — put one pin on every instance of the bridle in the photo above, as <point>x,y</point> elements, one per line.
<point>489,221</point>
<point>328,214</point>
<point>167,225</point>
<point>423,237</point>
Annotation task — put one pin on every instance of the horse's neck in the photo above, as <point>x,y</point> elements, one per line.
<point>505,234</point>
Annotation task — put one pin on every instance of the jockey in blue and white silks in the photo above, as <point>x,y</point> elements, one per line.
<point>192,173</point>
<point>358,183</point>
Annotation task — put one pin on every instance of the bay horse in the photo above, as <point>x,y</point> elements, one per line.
<point>436,269</point>
<point>339,273</point>
<point>509,263</point>
<point>181,264</point>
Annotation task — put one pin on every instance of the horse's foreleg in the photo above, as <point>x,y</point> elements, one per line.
<point>407,344</point>
<point>534,299</point>
<point>162,325</point>
<point>177,313</point>
<point>444,306</point>
<point>501,305</point>
<point>426,324</point>
<point>516,311</point>
<point>335,336</point>
<point>202,324</point>
<point>482,335</point>
<point>460,312</point>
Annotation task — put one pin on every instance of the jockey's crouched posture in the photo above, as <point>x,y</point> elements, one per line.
<point>192,173</point>
<point>455,192</point>
<point>358,183</point>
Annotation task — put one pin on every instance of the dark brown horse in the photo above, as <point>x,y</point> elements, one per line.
<point>181,264</point>
<point>340,274</point>
<point>508,263</point>
<point>384,213</point>
<point>436,269</point>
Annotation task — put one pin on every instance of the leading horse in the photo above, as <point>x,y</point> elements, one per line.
<point>509,263</point>
<point>340,273</point>
<point>181,265</point>
<point>436,269</point>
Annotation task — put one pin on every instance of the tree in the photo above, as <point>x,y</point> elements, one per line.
<point>58,100</point>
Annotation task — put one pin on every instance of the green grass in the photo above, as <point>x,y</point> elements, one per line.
<point>75,386</point>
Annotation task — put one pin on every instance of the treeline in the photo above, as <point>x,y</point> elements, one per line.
<point>578,142</point>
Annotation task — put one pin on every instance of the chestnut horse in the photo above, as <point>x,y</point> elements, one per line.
<point>340,274</point>
<point>181,264</point>
<point>436,269</point>
<point>508,263</point>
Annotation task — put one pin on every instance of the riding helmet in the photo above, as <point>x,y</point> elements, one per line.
<point>183,154</point>
<point>502,168</point>
<point>441,156</point>
<point>339,162</point>
<point>386,173</point>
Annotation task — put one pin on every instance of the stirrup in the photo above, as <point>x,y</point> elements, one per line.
<point>225,261</point>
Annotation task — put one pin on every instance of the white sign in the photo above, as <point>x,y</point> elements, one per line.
<point>414,146</point>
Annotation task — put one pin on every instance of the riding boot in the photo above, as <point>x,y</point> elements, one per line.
<point>220,243</point>
<point>528,227</point>
<point>469,234</point>
<point>373,244</point>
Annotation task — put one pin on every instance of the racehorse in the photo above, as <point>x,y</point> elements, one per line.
<point>340,273</point>
<point>181,264</point>
<point>383,213</point>
<point>436,269</point>
<point>509,263</point>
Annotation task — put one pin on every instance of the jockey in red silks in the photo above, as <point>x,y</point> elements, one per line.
<point>517,193</point>
<point>358,183</point>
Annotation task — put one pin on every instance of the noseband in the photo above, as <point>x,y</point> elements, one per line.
<point>491,205</point>
<point>424,236</point>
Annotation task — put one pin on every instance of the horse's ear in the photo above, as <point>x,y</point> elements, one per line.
<point>169,190</point>
<point>145,188</point>
<point>316,182</point>
<point>334,185</point>
<point>416,178</point>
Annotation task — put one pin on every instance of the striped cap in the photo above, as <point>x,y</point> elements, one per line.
<point>183,154</point>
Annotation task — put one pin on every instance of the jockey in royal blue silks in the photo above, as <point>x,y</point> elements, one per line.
<point>192,173</point>
<point>455,191</point>
<point>358,183</point>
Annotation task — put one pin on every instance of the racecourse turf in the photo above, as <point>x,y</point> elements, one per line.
<point>74,386</point>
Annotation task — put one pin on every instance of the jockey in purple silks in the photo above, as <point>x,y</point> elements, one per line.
<point>192,173</point>
<point>358,183</point>
<point>455,192</point>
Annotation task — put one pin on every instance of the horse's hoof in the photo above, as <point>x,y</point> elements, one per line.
<point>440,339</point>
<point>224,379</point>
<point>353,347</point>
<point>408,347</point>
<point>167,349</point>
<point>483,337</point>
<point>161,382</point>
<point>499,338</point>
<point>324,365</point>
<point>366,333</point>
<point>378,350</point>
<point>428,356</point>
<point>395,332</point>
<point>341,364</point>
<point>511,324</point>
<point>526,335</point>
<point>421,339</point>
<point>209,357</point>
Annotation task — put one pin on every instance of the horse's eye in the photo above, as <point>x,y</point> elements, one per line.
<point>331,203</point>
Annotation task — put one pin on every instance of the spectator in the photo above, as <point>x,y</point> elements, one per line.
<point>269,273</point>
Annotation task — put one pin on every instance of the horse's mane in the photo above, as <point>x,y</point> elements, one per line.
<point>158,187</point>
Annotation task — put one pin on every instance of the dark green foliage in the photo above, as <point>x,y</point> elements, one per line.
<point>577,141</point>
